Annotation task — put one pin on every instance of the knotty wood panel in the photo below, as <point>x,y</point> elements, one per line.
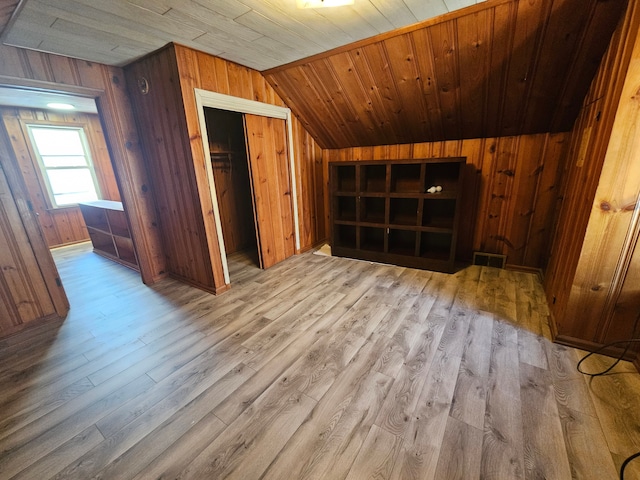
<point>107,84</point>
<point>30,289</point>
<point>204,71</point>
<point>271,185</point>
<point>161,119</point>
<point>510,185</point>
<point>503,68</point>
<point>61,225</point>
<point>176,155</point>
<point>599,192</point>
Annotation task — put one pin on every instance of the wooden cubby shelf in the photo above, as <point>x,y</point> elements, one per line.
<point>109,231</point>
<point>384,211</point>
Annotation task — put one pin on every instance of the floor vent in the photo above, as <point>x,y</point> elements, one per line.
<point>489,259</point>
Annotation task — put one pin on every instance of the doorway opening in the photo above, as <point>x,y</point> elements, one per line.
<point>230,167</point>
<point>59,145</point>
<point>268,136</point>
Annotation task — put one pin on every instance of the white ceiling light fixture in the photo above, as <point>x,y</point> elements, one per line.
<point>61,106</point>
<point>323,3</point>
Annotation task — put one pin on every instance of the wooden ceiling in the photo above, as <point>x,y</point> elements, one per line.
<point>501,68</point>
<point>255,33</point>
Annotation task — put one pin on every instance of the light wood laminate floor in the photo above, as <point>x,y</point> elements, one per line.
<point>318,368</point>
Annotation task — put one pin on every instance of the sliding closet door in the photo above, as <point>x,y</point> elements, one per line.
<point>271,185</point>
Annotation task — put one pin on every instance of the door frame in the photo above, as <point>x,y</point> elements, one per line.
<point>206,98</point>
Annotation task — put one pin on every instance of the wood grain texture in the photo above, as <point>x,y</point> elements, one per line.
<point>30,287</point>
<point>499,69</point>
<point>161,119</point>
<point>65,225</point>
<point>175,145</point>
<point>161,382</point>
<point>271,186</point>
<point>67,75</point>
<point>509,190</point>
<point>592,257</point>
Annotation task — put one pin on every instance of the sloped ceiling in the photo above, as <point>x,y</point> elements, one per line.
<point>500,68</point>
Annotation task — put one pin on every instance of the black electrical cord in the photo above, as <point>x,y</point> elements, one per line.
<point>607,370</point>
<point>604,347</point>
<point>626,462</point>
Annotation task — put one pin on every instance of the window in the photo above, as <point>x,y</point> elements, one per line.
<point>66,164</point>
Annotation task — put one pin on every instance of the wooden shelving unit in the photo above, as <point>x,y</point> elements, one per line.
<point>382,211</point>
<point>109,231</point>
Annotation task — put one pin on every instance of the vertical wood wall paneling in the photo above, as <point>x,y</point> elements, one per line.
<point>595,286</point>
<point>576,297</point>
<point>269,169</point>
<point>162,123</point>
<point>70,75</point>
<point>29,280</point>
<point>62,225</point>
<point>217,75</point>
<point>509,192</point>
<point>189,74</point>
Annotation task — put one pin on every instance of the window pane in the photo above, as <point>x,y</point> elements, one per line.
<point>72,185</point>
<point>66,161</point>
<point>73,198</point>
<point>57,141</point>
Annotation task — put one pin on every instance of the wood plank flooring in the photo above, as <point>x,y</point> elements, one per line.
<point>317,368</point>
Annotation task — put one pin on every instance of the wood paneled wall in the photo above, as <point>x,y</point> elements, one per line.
<point>30,289</point>
<point>107,85</point>
<point>591,273</point>
<point>510,190</point>
<point>207,72</point>
<point>61,226</point>
<point>168,116</point>
<point>499,68</point>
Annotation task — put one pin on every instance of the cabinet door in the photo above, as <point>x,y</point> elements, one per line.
<point>271,188</point>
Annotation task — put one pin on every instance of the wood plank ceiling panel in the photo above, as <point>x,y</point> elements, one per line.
<point>258,34</point>
<point>502,68</point>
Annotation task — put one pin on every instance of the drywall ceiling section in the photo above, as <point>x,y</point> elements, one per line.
<point>259,34</point>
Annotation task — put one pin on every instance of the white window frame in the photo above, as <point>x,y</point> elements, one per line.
<point>43,168</point>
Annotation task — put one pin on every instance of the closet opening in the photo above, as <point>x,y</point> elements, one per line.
<point>230,167</point>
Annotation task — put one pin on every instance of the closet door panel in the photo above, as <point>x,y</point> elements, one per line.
<point>271,187</point>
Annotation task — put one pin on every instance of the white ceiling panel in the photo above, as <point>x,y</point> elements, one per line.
<point>260,34</point>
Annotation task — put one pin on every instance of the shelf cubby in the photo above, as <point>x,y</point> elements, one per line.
<point>445,175</point>
<point>372,209</point>
<point>345,208</point>
<point>345,178</point>
<point>381,211</point>
<point>372,238</point>
<point>435,246</point>
<point>403,211</point>
<point>373,178</point>
<point>402,242</point>
<point>406,178</point>
<point>345,236</point>
<point>108,229</point>
<point>439,213</point>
